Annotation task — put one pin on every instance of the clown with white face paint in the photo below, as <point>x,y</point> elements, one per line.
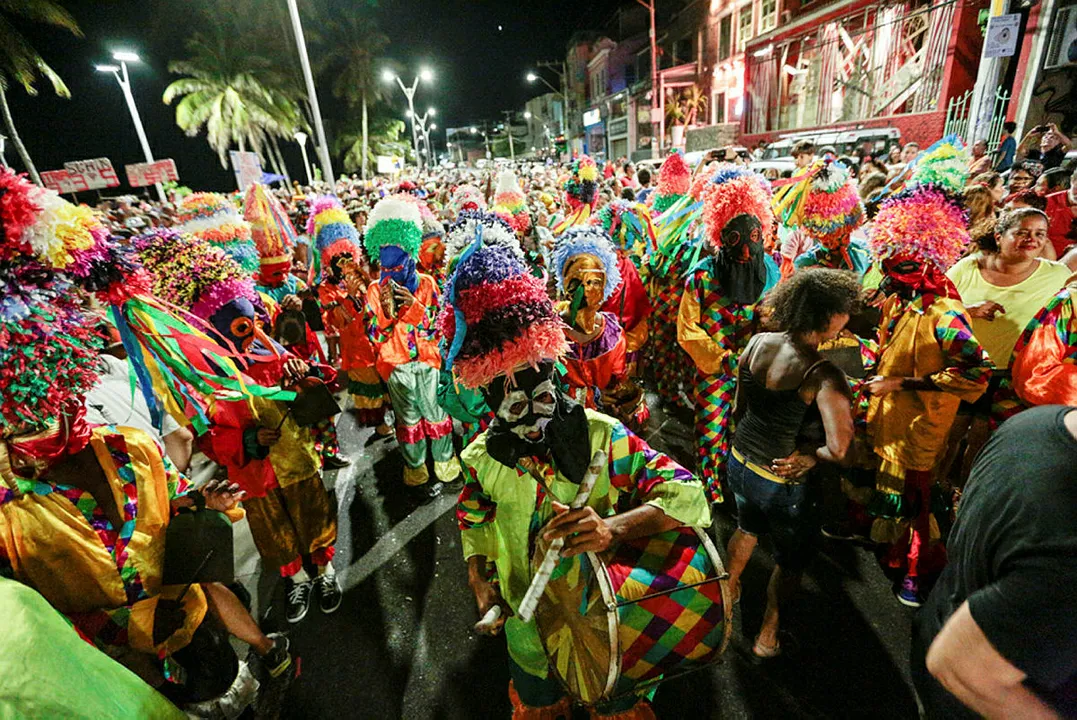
<point>504,337</point>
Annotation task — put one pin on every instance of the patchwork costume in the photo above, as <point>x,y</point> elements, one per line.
<point>924,333</point>
<point>506,346</point>
<point>719,308</point>
<point>407,353</point>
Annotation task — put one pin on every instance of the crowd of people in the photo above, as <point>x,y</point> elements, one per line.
<point>897,331</point>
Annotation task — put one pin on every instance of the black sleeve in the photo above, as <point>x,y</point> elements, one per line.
<point>1030,614</point>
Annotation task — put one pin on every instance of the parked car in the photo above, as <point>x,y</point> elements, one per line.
<point>844,142</point>
<point>774,169</point>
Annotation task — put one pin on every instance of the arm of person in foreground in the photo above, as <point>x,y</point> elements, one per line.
<point>834,400</point>
<point>963,660</point>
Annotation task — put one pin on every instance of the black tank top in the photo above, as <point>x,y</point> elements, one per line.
<point>774,418</point>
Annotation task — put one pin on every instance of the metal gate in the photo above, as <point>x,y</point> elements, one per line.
<point>957,118</point>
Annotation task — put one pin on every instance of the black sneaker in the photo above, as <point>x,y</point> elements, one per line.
<point>336,462</point>
<point>330,594</point>
<point>274,673</point>
<point>298,599</point>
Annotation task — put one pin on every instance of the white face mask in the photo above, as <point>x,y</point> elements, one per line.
<point>524,413</point>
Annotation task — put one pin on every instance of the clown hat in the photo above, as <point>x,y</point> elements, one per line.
<point>272,231</point>
<point>823,202</point>
<point>735,191</point>
<point>927,221</point>
<point>331,232</point>
<point>497,317</point>
<point>213,218</point>
<point>674,179</point>
<point>395,221</point>
<point>467,197</point>
<point>590,241</point>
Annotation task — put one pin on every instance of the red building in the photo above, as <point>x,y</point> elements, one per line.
<point>856,64</point>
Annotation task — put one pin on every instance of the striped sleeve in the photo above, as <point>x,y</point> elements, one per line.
<point>969,367</point>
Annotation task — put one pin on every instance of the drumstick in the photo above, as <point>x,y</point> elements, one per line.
<point>487,623</point>
<point>553,553</point>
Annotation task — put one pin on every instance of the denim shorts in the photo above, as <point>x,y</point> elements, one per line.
<point>784,511</point>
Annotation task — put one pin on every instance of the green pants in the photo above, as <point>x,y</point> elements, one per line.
<point>413,389</point>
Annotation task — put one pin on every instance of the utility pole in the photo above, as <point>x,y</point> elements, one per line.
<point>656,133</point>
<point>508,129</point>
<point>312,94</point>
<point>987,85</point>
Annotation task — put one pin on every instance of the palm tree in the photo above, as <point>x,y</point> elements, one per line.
<point>21,63</point>
<point>383,139</point>
<point>355,61</point>
<point>228,91</point>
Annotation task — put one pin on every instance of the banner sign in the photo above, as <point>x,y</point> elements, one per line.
<point>247,167</point>
<point>1002,32</point>
<point>81,175</point>
<point>146,174</point>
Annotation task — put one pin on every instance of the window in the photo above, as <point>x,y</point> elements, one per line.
<point>684,50</point>
<point>719,108</point>
<point>725,38</point>
<point>744,27</point>
<point>768,15</point>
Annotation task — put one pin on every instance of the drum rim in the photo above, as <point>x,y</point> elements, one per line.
<point>613,622</point>
<point>723,584</point>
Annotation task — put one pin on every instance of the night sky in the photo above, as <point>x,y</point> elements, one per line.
<point>480,72</point>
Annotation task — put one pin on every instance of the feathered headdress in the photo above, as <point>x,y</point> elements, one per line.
<point>591,241</point>
<point>674,178</point>
<point>927,220</point>
<point>496,316</point>
<point>212,217</point>
<point>271,229</point>
<point>395,220</point>
<point>736,191</point>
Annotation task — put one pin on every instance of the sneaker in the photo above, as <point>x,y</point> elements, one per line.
<point>233,703</point>
<point>274,674</point>
<point>336,462</point>
<point>909,594</point>
<point>330,594</point>
<point>298,600</point>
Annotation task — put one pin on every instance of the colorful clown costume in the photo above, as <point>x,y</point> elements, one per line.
<point>501,509</point>
<point>408,359</point>
<point>1045,359</point>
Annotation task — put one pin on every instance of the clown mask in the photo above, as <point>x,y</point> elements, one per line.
<point>399,266</point>
<point>742,239</point>
<point>532,418</point>
<point>237,323</point>
<point>274,275</point>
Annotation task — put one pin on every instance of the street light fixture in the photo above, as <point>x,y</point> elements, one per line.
<point>425,75</point>
<point>120,73</point>
<point>301,138</point>
<point>312,95</point>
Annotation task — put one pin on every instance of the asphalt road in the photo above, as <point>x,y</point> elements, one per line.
<point>401,645</point>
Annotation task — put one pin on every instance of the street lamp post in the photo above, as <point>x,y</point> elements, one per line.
<point>508,129</point>
<point>485,140</point>
<point>120,73</point>
<point>312,95</point>
<point>301,138</point>
<point>656,132</point>
<point>424,75</point>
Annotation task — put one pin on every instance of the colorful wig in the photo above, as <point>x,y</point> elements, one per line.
<point>586,240</point>
<point>674,179</point>
<point>494,230</point>
<point>823,202</point>
<point>395,220</point>
<point>213,218</point>
<point>496,317</point>
<point>925,223</point>
<point>510,200</point>
<point>331,233</point>
<point>734,191</point>
<point>581,183</point>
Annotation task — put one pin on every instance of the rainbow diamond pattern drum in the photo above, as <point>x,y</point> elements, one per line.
<point>620,621</point>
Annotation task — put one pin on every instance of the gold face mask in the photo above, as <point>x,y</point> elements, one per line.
<point>588,271</point>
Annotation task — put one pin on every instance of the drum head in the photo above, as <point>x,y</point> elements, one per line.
<point>577,621</point>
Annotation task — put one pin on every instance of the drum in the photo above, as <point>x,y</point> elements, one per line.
<point>617,622</point>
